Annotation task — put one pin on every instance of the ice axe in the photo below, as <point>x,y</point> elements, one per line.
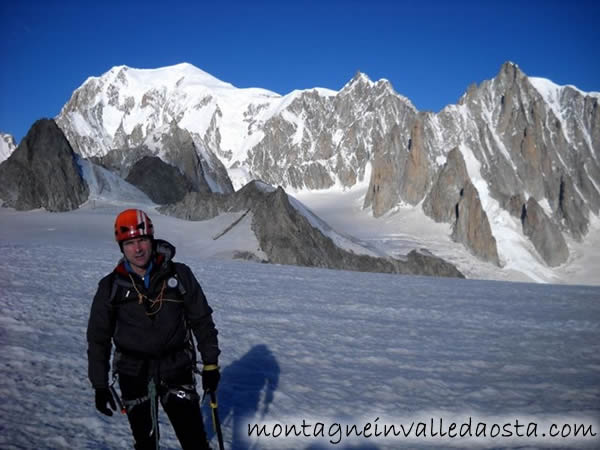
<point>215,417</point>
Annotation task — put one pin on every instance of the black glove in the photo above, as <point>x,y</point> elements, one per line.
<point>210,377</point>
<point>103,399</point>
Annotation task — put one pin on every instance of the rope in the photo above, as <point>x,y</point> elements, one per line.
<point>154,409</point>
<point>159,298</point>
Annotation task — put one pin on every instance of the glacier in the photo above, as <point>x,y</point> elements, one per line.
<point>299,344</point>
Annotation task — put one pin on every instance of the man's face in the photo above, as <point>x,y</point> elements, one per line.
<point>138,251</point>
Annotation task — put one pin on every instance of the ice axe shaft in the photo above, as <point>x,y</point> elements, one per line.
<point>117,398</point>
<point>215,418</point>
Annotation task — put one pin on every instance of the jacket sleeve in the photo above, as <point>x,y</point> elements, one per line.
<point>99,335</point>
<point>199,317</point>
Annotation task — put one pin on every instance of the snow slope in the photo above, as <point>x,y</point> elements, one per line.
<point>223,236</point>
<point>407,227</point>
<point>106,186</point>
<point>298,345</point>
<point>7,146</point>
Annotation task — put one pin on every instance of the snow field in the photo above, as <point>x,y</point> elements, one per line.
<point>298,343</point>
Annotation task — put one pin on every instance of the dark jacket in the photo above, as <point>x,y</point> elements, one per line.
<point>150,338</point>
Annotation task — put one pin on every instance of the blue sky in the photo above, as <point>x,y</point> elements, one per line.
<point>431,51</point>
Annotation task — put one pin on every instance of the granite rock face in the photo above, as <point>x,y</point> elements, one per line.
<point>42,172</point>
<point>416,176</point>
<point>454,199</point>
<point>440,203</point>
<point>472,227</point>
<point>544,234</point>
<point>199,165</point>
<point>177,148</point>
<point>161,182</point>
<point>534,138</point>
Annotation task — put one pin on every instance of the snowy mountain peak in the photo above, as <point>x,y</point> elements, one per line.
<point>173,75</point>
<point>510,71</point>
<point>362,86</point>
<point>359,79</point>
<point>546,87</point>
<point>125,106</point>
<point>508,66</point>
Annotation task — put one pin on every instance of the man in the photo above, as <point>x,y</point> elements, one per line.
<point>150,306</point>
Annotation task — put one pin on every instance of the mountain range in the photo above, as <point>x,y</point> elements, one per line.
<point>514,163</point>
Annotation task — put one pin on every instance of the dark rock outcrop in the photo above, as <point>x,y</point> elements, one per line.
<point>42,172</point>
<point>472,227</point>
<point>416,176</point>
<point>544,234</point>
<point>160,181</point>
<point>287,237</point>
<point>454,199</point>
<point>199,165</point>
<point>572,209</point>
<point>120,161</point>
<point>445,193</point>
<point>202,169</point>
<point>515,205</point>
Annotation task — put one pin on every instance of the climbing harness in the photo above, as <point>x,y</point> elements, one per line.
<point>127,405</point>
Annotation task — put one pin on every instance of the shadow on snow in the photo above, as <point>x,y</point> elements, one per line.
<point>247,385</point>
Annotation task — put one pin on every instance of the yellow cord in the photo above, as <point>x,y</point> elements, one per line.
<point>159,299</point>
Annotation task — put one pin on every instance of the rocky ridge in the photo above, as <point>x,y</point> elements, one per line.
<point>287,236</point>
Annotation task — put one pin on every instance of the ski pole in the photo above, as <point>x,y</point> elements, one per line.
<point>215,418</point>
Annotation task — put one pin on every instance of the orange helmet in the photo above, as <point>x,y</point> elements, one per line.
<point>133,223</point>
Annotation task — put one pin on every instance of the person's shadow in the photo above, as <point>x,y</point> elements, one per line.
<point>243,383</point>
